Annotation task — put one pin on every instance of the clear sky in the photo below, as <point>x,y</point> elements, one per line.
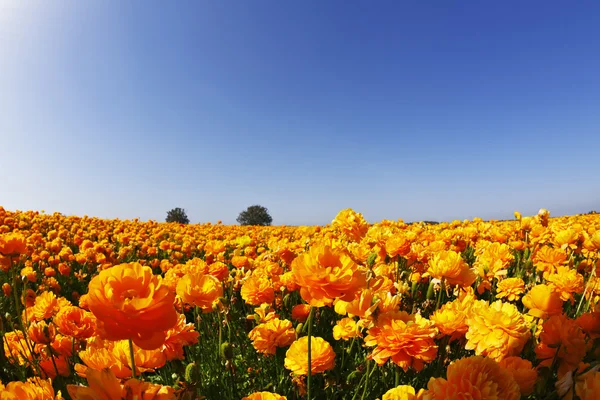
<point>420,110</point>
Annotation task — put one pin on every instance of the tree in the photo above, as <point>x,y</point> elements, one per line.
<point>177,215</point>
<point>255,215</point>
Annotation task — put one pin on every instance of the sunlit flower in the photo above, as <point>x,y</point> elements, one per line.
<point>325,274</point>
<point>130,302</point>
<point>510,289</point>
<point>543,302</point>
<point>264,396</point>
<point>322,356</point>
<point>257,290</point>
<point>272,334</point>
<point>476,378</point>
<point>201,290</point>
<point>406,339</point>
<point>497,330</point>
<point>402,392</point>
<point>566,282</point>
<point>450,266</point>
<point>345,329</point>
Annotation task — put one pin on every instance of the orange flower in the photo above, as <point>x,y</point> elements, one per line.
<point>476,378</point>
<point>497,330</point>
<point>130,302</point>
<point>264,396</point>
<point>324,273</point>
<point>76,322</point>
<point>543,302</point>
<point>510,288</point>
<point>590,324</point>
<point>272,334</point>
<point>322,356</point>
<point>398,245</point>
<point>565,282</point>
<point>257,290</point>
<point>182,334</point>
<point>12,244</point>
<point>449,265</point>
<point>46,305</point>
<point>546,259</point>
<point>7,289</point>
<point>523,373</point>
<point>408,339</point>
<point>300,312</point>
<point>402,392</point>
<point>33,389</point>
<point>352,224</point>
<point>41,333</point>
<point>588,386</point>
<point>201,290</point>
<point>345,329</point>
<point>563,340</point>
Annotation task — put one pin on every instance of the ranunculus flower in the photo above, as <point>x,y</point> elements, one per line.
<point>272,334</point>
<point>474,378</point>
<point>199,289</point>
<point>406,339</point>
<point>324,274</point>
<point>543,302</point>
<point>130,302</point>
<point>322,356</point>
<point>449,265</point>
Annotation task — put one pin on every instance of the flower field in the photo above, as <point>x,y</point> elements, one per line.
<point>111,309</point>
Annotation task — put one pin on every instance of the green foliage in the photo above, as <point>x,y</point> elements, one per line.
<point>177,215</point>
<point>255,215</point>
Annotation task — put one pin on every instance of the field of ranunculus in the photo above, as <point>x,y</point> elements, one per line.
<point>110,309</point>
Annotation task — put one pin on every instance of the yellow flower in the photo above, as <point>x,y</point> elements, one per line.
<point>449,265</point>
<point>543,302</point>
<point>402,392</point>
<point>510,288</point>
<point>201,290</point>
<point>264,396</point>
<point>497,330</point>
<point>322,356</point>
<point>352,224</point>
<point>451,319</point>
<point>257,290</point>
<point>565,282</point>
<point>345,329</point>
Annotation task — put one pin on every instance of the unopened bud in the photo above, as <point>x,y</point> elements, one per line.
<point>226,351</point>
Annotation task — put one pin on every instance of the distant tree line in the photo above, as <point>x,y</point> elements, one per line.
<point>253,215</point>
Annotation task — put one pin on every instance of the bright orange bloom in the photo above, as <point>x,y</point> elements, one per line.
<point>41,332</point>
<point>449,265</point>
<point>182,334</point>
<point>46,305</point>
<point>130,302</point>
<point>272,334</point>
<point>406,339</point>
<point>497,330</point>
<point>543,302</point>
<point>476,378</point>
<point>561,338</point>
<point>566,282</point>
<point>590,324</point>
<point>523,373</point>
<point>352,224</point>
<point>300,312</point>
<point>398,245</point>
<point>324,274</point>
<point>546,259</point>
<point>402,392</point>
<point>345,329</point>
<point>33,389</point>
<point>322,356</point>
<point>510,288</point>
<point>264,396</point>
<point>76,322</point>
<point>257,290</point>
<point>199,289</point>
<point>12,244</point>
<point>588,386</point>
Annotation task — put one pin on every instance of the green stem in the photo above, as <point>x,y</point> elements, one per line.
<point>439,300</point>
<point>397,376</point>
<point>366,381</point>
<point>309,372</point>
<point>132,359</point>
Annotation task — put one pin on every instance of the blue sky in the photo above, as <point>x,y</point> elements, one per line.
<point>397,109</point>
